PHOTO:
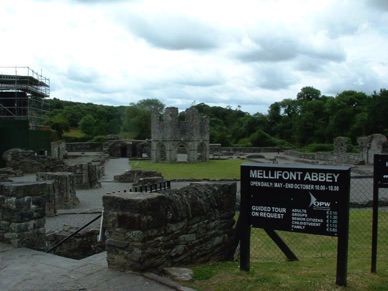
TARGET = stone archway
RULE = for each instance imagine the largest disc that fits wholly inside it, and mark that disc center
(123, 150)
(182, 153)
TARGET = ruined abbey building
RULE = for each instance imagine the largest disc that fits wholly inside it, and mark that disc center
(175, 140)
(23, 95)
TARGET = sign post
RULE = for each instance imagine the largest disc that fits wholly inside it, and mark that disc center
(306, 199)
(380, 180)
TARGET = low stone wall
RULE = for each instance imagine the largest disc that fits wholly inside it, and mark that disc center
(150, 231)
(346, 158)
(138, 176)
(87, 175)
(84, 147)
(28, 162)
(247, 150)
(22, 214)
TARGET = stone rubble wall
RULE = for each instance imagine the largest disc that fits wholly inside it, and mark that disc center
(346, 158)
(22, 214)
(137, 176)
(84, 147)
(150, 231)
(63, 194)
(87, 174)
(28, 162)
(369, 146)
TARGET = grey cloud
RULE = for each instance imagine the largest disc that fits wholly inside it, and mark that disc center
(200, 82)
(173, 32)
(81, 75)
(330, 52)
(199, 79)
(359, 79)
(307, 64)
(274, 78)
(269, 49)
(280, 48)
(266, 55)
(89, 80)
(379, 4)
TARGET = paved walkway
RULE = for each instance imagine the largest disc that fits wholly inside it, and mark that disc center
(26, 269)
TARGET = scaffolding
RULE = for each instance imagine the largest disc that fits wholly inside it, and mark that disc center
(23, 95)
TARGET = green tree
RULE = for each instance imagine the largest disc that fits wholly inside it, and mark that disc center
(137, 120)
(59, 124)
(346, 111)
(378, 113)
(88, 125)
(308, 93)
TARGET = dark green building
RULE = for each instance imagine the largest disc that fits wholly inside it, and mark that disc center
(23, 103)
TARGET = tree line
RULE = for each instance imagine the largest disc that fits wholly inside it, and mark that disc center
(309, 118)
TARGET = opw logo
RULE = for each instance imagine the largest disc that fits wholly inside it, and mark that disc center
(318, 205)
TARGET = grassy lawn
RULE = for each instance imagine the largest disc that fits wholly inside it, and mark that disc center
(316, 268)
(214, 169)
(74, 132)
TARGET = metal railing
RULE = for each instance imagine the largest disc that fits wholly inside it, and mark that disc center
(148, 189)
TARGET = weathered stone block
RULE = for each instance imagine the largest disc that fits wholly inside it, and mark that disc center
(21, 189)
(22, 208)
(117, 243)
(63, 185)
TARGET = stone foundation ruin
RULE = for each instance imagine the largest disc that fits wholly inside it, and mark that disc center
(369, 146)
(87, 173)
(22, 214)
(174, 140)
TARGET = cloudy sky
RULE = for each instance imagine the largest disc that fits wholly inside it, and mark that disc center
(246, 53)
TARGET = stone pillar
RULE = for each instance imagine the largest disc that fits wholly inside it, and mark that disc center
(22, 214)
(64, 188)
(371, 145)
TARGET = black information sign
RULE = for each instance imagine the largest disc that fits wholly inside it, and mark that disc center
(380, 180)
(299, 199)
(381, 170)
(307, 199)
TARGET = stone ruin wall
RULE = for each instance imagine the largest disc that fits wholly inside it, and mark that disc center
(83, 147)
(150, 231)
(87, 174)
(28, 162)
(63, 194)
(24, 207)
(58, 149)
(169, 134)
(369, 146)
(22, 214)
